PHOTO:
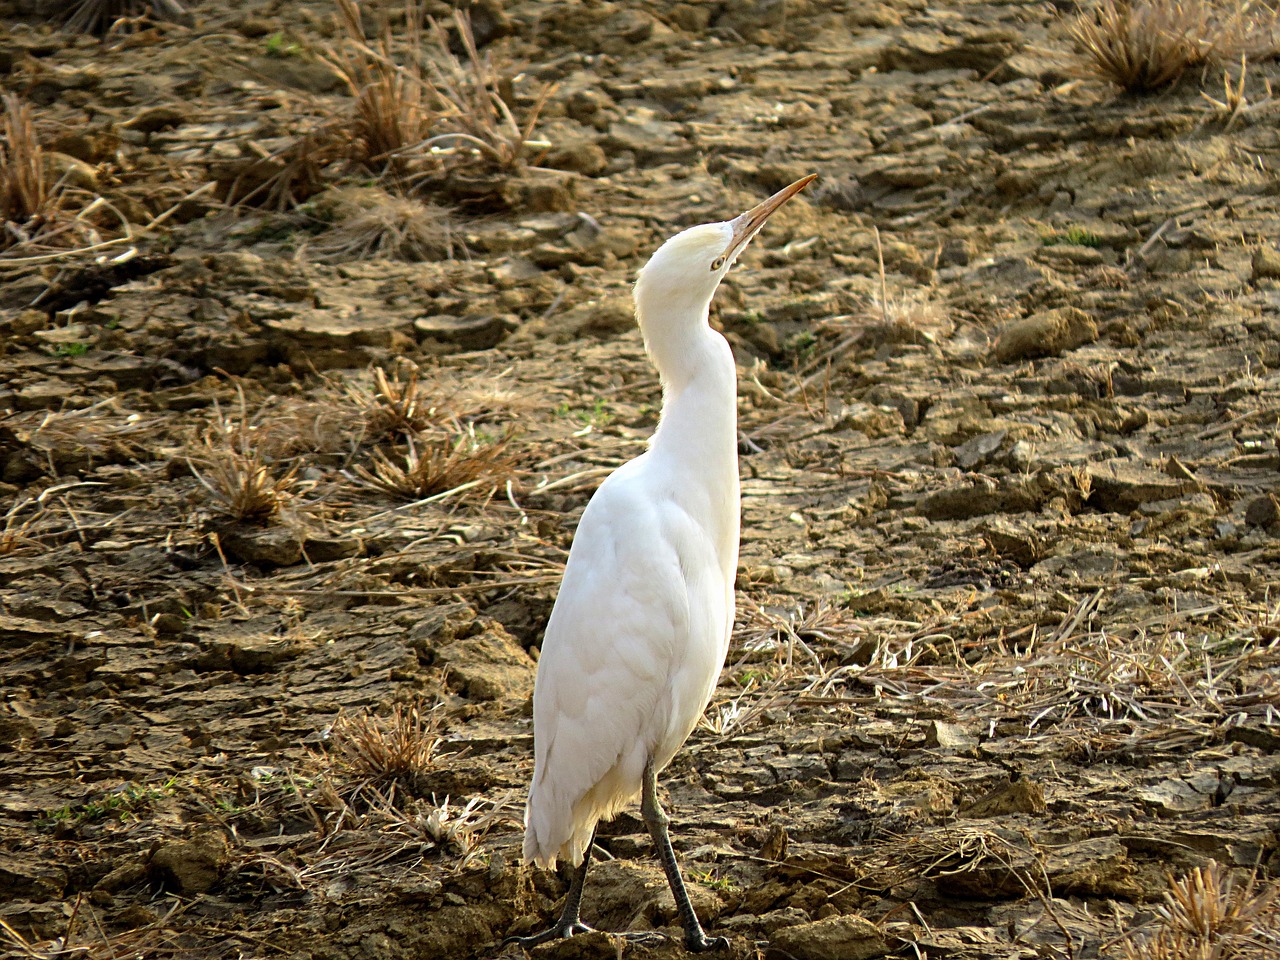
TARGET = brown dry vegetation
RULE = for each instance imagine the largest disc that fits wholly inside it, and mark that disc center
(316, 338)
(1149, 44)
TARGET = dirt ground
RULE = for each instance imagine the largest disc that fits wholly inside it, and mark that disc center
(1005, 658)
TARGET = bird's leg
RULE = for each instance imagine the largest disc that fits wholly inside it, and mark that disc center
(695, 938)
(569, 923)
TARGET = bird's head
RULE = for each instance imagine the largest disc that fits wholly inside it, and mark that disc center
(690, 265)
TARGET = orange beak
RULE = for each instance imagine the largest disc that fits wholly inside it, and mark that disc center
(748, 225)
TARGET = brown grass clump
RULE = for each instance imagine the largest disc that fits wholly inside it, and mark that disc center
(287, 177)
(1209, 915)
(15, 527)
(441, 465)
(367, 222)
(103, 16)
(38, 213)
(394, 103)
(472, 94)
(245, 484)
(907, 317)
(86, 938)
(370, 828)
(418, 112)
(399, 747)
(30, 205)
(396, 405)
(25, 194)
(1145, 45)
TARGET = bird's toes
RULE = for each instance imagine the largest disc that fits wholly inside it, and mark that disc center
(560, 931)
(702, 943)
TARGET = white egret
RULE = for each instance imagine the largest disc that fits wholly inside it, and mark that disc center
(640, 628)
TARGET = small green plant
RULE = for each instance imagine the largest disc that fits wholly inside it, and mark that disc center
(1072, 236)
(123, 804)
(76, 349)
(803, 343)
(279, 46)
(712, 878)
(597, 416)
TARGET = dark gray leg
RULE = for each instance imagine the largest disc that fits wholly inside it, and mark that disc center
(568, 924)
(695, 938)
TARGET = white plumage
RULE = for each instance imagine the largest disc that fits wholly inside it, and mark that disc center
(640, 628)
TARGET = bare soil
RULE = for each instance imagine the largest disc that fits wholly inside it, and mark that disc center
(1006, 650)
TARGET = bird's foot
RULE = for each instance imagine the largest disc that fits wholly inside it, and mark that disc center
(699, 942)
(558, 931)
(695, 942)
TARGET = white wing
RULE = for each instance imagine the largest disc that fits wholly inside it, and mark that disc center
(631, 655)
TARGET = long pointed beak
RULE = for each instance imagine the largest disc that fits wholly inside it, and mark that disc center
(748, 225)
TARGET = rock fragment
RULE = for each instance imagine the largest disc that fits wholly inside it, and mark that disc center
(1045, 334)
(471, 332)
(1266, 263)
(1017, 796)
(835, 938)
(1120, 487)
(190, 866)
(1262, 511)
(272, 547)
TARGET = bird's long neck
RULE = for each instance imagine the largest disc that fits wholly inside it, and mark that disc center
(697, 436)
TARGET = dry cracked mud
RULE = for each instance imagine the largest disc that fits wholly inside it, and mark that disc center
(1006, 651)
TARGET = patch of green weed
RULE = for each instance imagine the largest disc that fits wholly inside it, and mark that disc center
(280, 46)
(1072, 236)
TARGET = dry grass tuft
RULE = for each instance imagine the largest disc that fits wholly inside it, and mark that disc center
(16, 527)
(400, 747)
(779, 664)
(474, 95)
(415, 114)
(245, 483)
(387, 826)
(442, 465)
(32, 208)
(289, 176)
(418, 112)
(39, 215)
(106, 16)
(1006, 860)
(87, 938)
(458, 830)
(397, 405)
(908, 317)
(1209, 915)
(367, 222)
(1235, 105)
(25, 194)
(244, 486)
(1145, 45)
(395, 105)
(61, 442)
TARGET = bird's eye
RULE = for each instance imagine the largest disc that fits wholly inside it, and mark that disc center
(716, 264)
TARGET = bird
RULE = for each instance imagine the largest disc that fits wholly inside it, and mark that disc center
(639, 631)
